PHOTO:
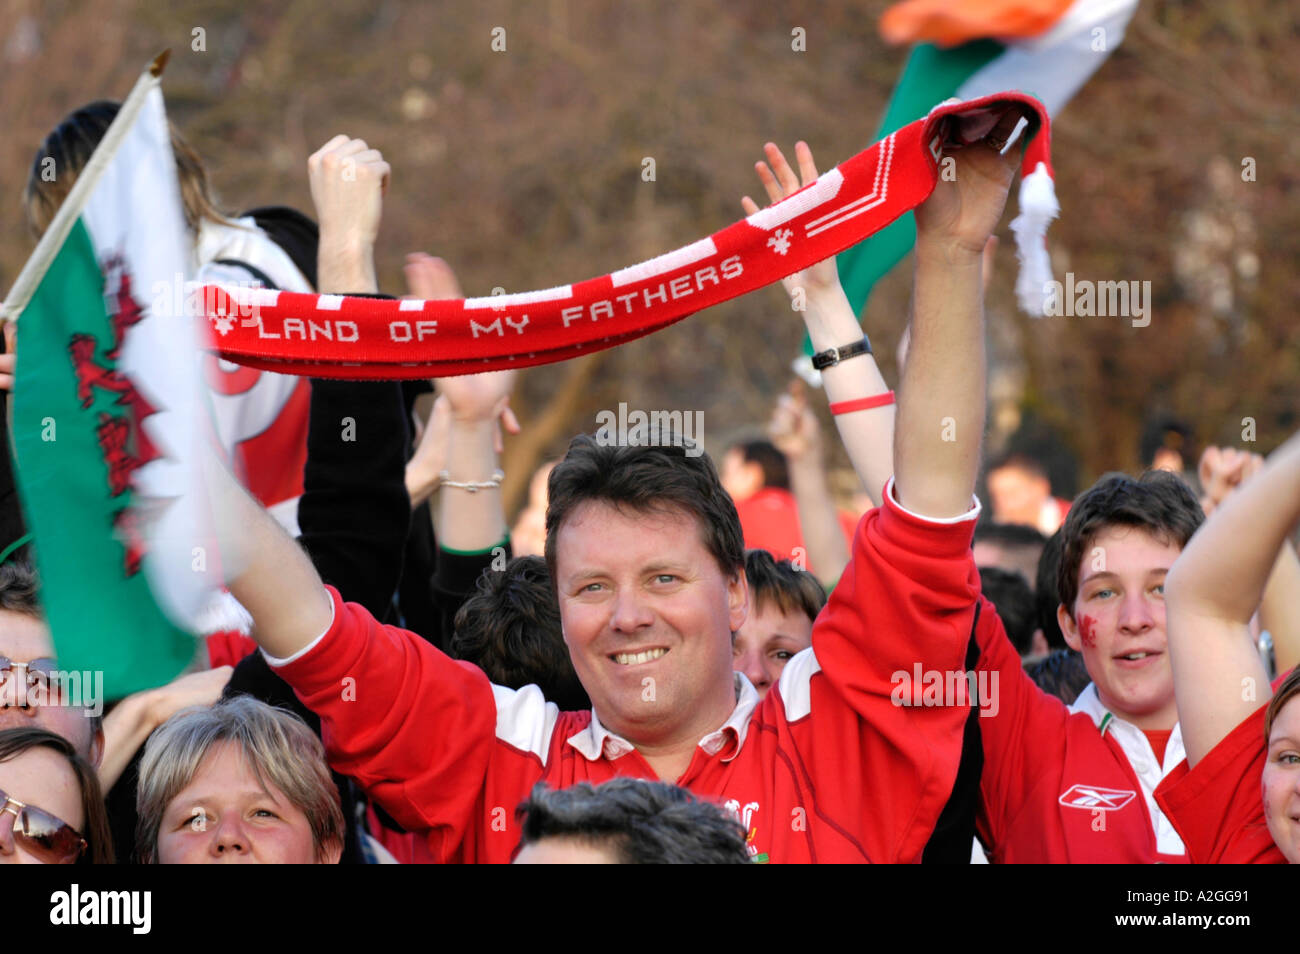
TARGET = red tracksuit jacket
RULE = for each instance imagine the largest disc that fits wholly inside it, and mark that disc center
(826, 768)
(1058, 784)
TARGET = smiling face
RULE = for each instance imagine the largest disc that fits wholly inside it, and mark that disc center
(226, 816)
(648, 615)
(41, 778)
(768, 640)
(1280, 783)
(1118, 624)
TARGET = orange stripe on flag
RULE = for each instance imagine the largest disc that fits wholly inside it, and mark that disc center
(953, 22)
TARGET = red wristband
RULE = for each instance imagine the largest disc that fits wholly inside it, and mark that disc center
(863, 404)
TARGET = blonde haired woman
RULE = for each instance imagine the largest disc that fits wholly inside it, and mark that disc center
(239, 783)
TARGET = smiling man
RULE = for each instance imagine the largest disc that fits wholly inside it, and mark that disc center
(646, 553)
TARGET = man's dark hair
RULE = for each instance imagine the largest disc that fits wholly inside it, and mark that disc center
(776, 469)
(510, 628)
(639, 821)
(1047, 594)
(1157, 502)
(1010, 594)
(660, 479)
(19, 587)
(779, 582)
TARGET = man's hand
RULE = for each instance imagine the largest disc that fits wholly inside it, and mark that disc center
(134, 718)
(964, 209)
(348, 180)
(1222, 470)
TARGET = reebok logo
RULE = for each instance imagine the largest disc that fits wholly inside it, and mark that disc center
(1095, 798)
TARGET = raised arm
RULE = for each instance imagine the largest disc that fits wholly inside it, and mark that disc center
(278, 585)
(1222, 470)
(1211, 593)
(868, 435)
(795, 431)
(941, 404)
(471, 513)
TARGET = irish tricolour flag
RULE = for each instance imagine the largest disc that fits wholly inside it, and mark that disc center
(968, 49)
(106, 401)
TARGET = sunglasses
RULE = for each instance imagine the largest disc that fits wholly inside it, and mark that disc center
(43, 835)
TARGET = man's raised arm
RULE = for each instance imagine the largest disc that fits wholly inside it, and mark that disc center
(941, 398)
(279, 586)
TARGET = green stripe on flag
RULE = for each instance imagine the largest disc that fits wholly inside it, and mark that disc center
(930, 76)
(102, 618)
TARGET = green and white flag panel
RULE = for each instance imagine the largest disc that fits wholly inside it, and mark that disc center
(108, 414)
(1051, 66)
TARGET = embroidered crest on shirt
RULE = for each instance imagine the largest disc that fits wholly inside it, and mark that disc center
(745, 815)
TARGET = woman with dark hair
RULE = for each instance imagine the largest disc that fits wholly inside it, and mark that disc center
(51, 808)
(261, 417)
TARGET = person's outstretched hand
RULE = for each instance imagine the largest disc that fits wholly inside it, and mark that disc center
(780, 181)
(964, 208)
(1221, 471)
(794, 429)
(470, 397)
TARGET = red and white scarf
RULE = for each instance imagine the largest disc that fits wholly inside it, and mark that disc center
(337, 336)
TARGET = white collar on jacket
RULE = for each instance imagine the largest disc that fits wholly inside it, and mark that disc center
(596, 741)
(1142, 758)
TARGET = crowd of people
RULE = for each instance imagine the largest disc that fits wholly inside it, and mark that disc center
(664, 660)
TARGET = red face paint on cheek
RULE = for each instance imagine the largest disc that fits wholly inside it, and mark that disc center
(1088, 631)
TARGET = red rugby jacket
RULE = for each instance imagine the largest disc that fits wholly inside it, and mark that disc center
(828, 767)
(1064, 785)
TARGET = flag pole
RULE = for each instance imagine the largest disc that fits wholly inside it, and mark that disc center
(38, 263)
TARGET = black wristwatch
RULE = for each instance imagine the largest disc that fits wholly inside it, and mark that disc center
(833, 356)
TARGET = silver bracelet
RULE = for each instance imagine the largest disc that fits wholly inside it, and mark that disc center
(473, 486)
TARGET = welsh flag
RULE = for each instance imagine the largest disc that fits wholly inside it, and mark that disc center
(968, 49)
(106, 401)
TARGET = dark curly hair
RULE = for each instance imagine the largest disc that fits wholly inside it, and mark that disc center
(510, 628)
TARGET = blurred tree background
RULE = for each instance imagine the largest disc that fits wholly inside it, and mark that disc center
(523, 168)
